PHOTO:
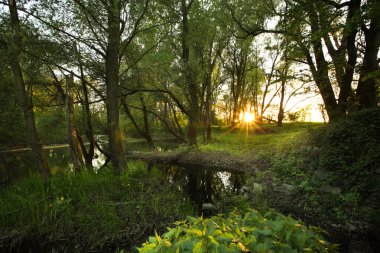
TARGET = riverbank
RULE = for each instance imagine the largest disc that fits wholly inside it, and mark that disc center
(269, 168)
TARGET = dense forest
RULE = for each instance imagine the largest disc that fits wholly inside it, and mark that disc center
(231, 119)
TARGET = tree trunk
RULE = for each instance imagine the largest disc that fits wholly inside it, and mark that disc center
(193, 114)
(280, 115)
(208, 106)
(74, 145)
(147, 135)
(350, 43)
(25, 100)
(320, 71)
(192, 131)
(366, 90)
(112, 85)
(284, 77)
(88, 155)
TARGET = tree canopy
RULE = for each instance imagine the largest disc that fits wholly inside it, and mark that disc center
(183, 66)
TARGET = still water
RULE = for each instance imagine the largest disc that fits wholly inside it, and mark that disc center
(202, 186)
(206, 188)
(19, 163)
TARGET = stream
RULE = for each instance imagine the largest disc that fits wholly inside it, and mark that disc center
(202, 186)
(205, 187)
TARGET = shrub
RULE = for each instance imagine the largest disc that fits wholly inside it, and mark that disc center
(344, 156)
(249, 232)
(351, 149)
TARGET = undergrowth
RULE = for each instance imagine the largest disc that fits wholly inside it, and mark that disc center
(335, 169)
(239, 232)
(89, 211)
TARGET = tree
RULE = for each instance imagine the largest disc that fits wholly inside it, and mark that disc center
(75, 148)
(15, 49)
(336, 26)
(313, 26)
(108, 40)
(369, 71)
(237, 63)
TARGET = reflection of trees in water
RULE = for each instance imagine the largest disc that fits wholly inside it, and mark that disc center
(201, 185)
(237, 181)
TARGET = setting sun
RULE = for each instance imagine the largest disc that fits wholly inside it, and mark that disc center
(246, 117)
(249, 117)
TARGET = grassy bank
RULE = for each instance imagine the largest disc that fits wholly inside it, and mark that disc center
(333, 164)
(258, 140)
(88, 211)
(326, 175)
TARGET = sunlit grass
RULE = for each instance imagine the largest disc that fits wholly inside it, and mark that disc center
(251, 139)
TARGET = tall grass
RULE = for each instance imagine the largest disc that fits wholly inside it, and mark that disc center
(90, 211)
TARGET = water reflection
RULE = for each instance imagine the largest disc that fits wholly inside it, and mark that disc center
(202, 185)
(18, 164)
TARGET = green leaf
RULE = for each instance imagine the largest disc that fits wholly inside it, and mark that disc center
(158, 238)
(170, 233)
(263, 232)
(152, 239)
(198, 247)
(213, 241)
(197, 232)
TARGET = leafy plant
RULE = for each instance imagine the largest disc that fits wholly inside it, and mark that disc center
(248, 232)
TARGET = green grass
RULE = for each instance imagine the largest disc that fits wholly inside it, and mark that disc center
(90, 211)
(293, 153)
(268, 139)
(95, 211)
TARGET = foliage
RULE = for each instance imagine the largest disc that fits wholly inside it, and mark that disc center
(351, 149)
(11, 118)
(334, 169)
(295, 153)
(89, 210)
(248, 232)
(52, 118)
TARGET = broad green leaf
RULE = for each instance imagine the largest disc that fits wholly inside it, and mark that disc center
(197, 232)
(198, 247)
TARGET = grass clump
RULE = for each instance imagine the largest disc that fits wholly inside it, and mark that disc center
(89, 211)
(240, 232)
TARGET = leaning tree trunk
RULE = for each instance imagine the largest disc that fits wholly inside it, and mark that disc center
(25, 100)
(145, 132)
(320, 70)
(74, 145)
(112, 85)
(88, 155)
